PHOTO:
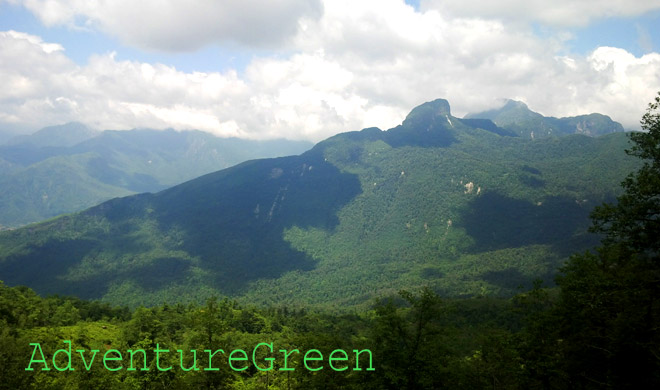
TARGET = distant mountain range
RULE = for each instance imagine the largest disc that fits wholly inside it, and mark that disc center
(518, 118)
(56, 136)
(467, 206)
(61, 169)
(6, 135)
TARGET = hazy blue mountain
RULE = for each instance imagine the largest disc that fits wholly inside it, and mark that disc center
(516, 117)
(6, 135)
(56, 136)
(438, 201)
(39, 182)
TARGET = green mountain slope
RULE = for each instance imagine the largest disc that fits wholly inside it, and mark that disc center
(434, 201)
(517, 118)
(41, 179)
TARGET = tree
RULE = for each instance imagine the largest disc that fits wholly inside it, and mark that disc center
(66, 314)
(610, 302)
(634, 222)
(406, 342)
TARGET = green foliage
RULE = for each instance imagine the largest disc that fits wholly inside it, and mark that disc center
(634, 222)
(609, 301)
(417, 339)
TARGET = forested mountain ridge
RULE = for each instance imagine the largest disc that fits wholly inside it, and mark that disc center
(458, 205)
(516, 117)
(68, 168)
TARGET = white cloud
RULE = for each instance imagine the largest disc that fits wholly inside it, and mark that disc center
(177, 25)
(626, 83)
(46, 47)
(556, 12)
(362, 64)
(301, 97)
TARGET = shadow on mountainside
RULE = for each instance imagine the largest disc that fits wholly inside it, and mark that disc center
(229, 223)
(497, 222)
(234, 220)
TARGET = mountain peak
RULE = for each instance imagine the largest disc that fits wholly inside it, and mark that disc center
(428, 112)
(515, 104)
(511, 111)
(426, 125)
(518, 118)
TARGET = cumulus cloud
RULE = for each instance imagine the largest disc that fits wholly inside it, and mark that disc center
(176, 25)
(402, 57)
(301, 97)
(362, 64)
(557, 12)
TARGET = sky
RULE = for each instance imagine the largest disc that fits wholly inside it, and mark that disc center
(308, 69)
